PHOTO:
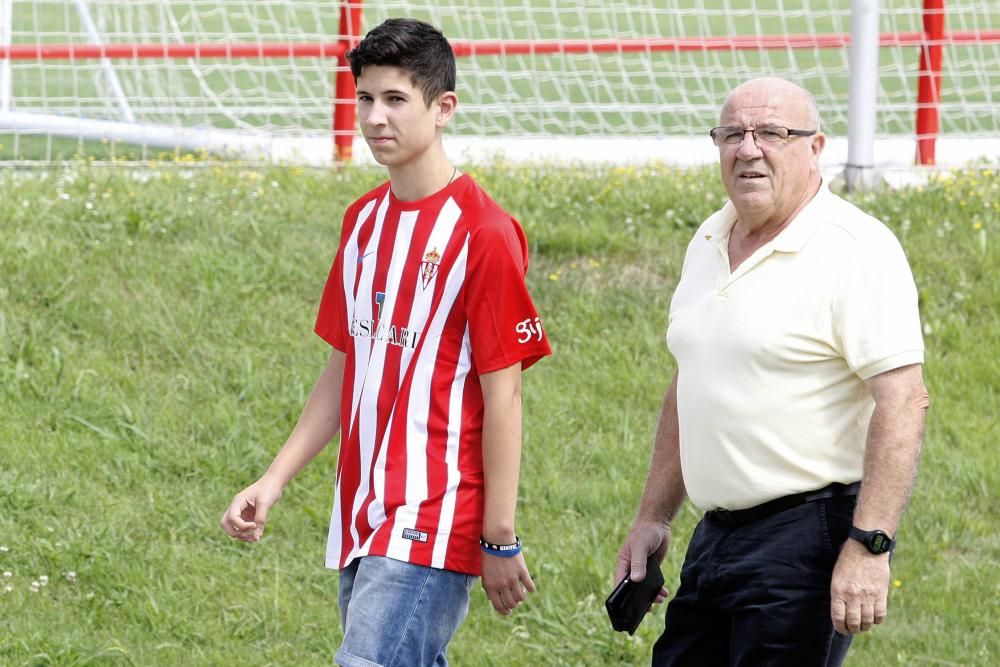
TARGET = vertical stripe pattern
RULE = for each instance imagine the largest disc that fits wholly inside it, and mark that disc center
(385, 286)
(409, 473)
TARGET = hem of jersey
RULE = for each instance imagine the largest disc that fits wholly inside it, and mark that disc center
(346, 659)
(890, 363)
(334, 564)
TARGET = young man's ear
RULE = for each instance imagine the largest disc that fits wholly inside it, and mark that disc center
(446, 104)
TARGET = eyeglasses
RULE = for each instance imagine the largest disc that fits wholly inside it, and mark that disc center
(765, 134)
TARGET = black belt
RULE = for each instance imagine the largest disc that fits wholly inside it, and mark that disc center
(734, 518)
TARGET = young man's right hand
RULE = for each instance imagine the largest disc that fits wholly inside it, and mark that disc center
(245, 517)
(320, 420)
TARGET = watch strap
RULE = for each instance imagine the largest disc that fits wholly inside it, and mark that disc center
(876, 541)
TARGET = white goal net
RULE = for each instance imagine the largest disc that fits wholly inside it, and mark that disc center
(615, 90)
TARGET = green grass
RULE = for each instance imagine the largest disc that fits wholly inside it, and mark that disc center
(156, 348)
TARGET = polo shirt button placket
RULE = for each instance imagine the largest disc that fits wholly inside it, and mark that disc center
(720, 291)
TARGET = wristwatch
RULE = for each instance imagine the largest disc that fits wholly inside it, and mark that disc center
(876, 541)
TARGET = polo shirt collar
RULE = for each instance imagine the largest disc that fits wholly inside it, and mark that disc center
(791, 239)
(719, 226)
(795, 236)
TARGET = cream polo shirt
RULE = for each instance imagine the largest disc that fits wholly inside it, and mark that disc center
(772, 358)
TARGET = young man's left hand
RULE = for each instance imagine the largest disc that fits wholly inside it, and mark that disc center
(506, 582)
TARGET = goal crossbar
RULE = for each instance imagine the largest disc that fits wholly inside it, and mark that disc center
(473, 48)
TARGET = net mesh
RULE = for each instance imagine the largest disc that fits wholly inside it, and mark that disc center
(618, 94)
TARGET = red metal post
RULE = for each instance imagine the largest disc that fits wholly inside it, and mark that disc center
(929, 82)
(345, 107)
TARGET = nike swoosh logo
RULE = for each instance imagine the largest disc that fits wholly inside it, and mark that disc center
(361, 259)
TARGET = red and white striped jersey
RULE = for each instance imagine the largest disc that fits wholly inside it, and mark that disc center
(423, 298)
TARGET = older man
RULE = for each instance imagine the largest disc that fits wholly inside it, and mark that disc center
(796, 415)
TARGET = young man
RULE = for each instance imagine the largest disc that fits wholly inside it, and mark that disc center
(431, 324)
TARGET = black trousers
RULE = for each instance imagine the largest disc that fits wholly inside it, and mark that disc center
(759, 594)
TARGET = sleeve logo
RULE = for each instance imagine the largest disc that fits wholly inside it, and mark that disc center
(528, 329)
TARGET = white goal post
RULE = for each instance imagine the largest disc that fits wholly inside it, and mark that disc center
(620, 80)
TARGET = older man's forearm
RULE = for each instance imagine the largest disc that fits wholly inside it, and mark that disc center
(664, 491)
(892, 453)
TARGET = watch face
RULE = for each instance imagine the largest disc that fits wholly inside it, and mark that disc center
(879, 542)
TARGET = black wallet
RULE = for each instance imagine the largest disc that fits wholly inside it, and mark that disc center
(629, 602)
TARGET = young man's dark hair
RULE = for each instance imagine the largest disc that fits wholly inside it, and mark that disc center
(411, 45)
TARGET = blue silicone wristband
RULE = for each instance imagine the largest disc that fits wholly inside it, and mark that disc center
(501, 550)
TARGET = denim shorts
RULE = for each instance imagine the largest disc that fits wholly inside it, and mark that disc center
(397, 614)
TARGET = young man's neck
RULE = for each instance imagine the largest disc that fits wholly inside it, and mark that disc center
(421, 178)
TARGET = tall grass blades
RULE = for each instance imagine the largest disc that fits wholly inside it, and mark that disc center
(156, 348)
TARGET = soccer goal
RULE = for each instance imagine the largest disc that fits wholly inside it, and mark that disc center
(619, 80)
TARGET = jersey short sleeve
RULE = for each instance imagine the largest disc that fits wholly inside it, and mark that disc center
(332, 319)
(876, 319)
(504, 326)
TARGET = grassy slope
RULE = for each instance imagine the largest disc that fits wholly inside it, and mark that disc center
(155, 350)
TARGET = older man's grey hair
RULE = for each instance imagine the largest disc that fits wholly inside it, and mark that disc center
(777, 83)
(813, 109)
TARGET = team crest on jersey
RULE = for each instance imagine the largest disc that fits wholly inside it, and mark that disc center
(429, 267)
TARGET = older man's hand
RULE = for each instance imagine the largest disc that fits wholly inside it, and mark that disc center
(646, 537)
(859, 590)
